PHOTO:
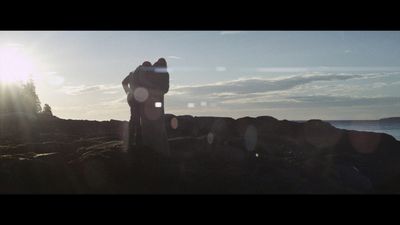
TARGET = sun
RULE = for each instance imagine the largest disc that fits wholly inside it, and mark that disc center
(15, 65)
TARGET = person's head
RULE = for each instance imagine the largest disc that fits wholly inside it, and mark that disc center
(146, 66)
(146, 63)
(161, 62)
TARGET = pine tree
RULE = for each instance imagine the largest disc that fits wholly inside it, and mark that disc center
(31, 99)
(19, 98)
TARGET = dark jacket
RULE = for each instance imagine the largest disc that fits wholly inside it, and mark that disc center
(142, 77)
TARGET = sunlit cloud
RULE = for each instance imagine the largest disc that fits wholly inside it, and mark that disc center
(379, 85)
(230, 32)
(174, 57)
(120, 101)
(262, 96)
(188, 69)
(220, 68)
(311, 101)
(254, 85)
(347, 101)
(281, 69)
(14, 45)
(318, 69)
(50, 78)
(86, 89)
(258, 95)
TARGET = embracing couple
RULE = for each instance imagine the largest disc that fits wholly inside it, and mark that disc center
(145, 89)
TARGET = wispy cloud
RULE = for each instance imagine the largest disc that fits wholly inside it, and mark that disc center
(230, 32)
(52, 78)
(14, 45)
(259, 85)
(319, 69)
(324, 100)
(250, 93)
(220, 68)
(174, 57)
(310, 101)
(257, 96)
(282, 69)
(86, 89)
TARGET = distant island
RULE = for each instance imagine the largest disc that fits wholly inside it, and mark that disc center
(391, 119)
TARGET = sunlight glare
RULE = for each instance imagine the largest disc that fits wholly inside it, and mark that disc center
(15, 65)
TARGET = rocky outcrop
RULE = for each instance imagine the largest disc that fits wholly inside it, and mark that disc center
(208, 155)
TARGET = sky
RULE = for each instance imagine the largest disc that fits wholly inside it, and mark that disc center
(294, 75)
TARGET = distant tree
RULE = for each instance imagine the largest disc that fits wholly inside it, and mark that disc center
(47, 110)
(19, 98)
(31, 99)
(5, 100)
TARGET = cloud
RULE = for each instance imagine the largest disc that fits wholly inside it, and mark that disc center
(14, 45)
(174, 57)
(86, 89)
(259, 85)
(283, 69)
(301, 96)
(379, 84)
(251, 93)
(321, 100)
(312, 101)
(220, 68)
(230, 32)
(318, 69)
(114, 102)
(51, 78)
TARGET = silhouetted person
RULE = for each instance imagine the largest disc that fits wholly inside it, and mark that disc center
(132, 86)
(156, 83)
(162, 77)
(146, 88)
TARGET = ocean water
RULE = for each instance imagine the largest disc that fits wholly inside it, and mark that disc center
(391, 128)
